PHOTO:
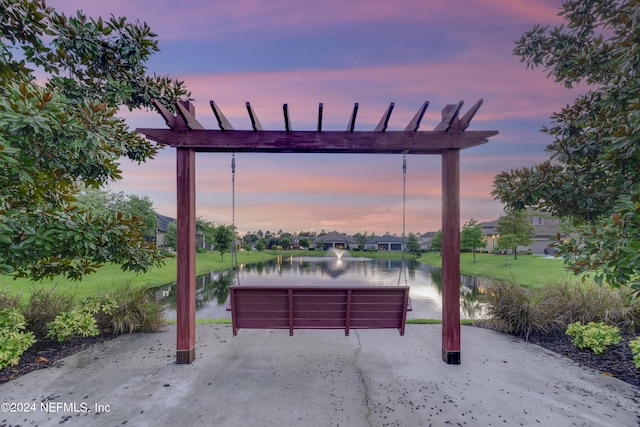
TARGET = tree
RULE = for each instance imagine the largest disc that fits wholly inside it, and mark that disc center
(506, 242)
(142, 207)
(104, 202)
(412, 243)
(305, 242)
(592, 172)
(361, 239)
(250, 239)
(471, 236)
(436, 242)
(61, 131)
(285, 242)
(171, 236)
(222, 239)
(207, 229)
(516, 224)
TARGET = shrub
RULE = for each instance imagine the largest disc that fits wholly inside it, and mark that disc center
(13, 341)
(520, 311)
(9, 301)
(43, 307)
(594, 336)
(569, 302)
(635, 350)
(101, 308)
(73, 323)
(134, 311)
(513, 309)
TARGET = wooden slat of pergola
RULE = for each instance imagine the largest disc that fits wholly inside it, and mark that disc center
(188, 136)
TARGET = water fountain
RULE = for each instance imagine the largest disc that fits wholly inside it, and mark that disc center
(337, 253)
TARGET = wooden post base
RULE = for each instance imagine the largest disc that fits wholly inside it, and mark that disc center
(185, 357)
(451, 357)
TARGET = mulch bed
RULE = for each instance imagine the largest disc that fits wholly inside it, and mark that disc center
(616, 361)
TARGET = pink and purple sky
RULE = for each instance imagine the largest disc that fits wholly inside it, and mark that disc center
(337, 52)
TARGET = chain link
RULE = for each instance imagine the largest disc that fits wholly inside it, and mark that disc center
(403, 269)
(234, 255)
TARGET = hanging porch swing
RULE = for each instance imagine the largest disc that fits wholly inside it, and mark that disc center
(343, 307)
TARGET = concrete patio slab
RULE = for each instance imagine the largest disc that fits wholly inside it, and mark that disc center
(318, 378)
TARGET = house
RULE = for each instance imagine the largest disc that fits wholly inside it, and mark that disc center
(334, 240)
(545, 230)
(161, 231)
(385, 243)
(489, 235)
(424, 240)
(545, 234)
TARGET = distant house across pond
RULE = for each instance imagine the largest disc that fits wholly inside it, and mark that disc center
(544, 235)
(334, 240)
(384, 243)
(425, 239)
(161, 232)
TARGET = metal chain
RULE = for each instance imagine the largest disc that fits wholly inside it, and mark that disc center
(234, 255)
(403, 269)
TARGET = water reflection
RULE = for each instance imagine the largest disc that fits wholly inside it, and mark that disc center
(425, 281)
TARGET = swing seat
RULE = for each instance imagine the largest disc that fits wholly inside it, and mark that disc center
(318, 307)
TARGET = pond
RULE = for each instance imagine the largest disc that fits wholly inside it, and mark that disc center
(424, 280)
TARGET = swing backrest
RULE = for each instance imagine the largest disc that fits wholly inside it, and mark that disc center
(318, 307)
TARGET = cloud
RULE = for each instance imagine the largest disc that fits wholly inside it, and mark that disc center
(508, 91)
(374, 52)
(191, 19)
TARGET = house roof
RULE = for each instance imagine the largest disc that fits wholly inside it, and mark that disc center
(428, 234)
(164, 221)
(387, 238)
(334, 236)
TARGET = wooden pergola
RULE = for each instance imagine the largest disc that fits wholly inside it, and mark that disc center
(188, 136)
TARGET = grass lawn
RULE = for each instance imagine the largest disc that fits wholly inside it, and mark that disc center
(111, 275)
(528, 270)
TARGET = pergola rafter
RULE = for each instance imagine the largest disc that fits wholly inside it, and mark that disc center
(188, 136)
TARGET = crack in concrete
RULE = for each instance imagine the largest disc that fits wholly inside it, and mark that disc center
(366, 400)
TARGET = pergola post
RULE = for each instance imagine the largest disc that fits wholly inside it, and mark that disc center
(186, 263)
(451, 256)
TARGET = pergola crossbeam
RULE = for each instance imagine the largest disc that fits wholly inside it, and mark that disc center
(188, 116)
(352, 121)
(287, 120)
(168, 116)
(384, 121)
(320, 108)
(414, 124)
(466, 119)
(223, 123)
(363, 142)
(255, 123)
(449, 115)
